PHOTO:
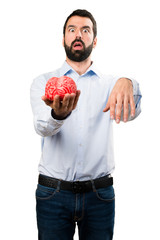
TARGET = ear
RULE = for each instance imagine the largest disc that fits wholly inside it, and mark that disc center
(63, 41)
(94, 42)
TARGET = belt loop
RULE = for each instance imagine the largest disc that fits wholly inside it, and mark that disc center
(93, 186)
(58, 186)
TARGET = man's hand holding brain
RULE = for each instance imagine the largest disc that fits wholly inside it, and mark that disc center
(61, 95)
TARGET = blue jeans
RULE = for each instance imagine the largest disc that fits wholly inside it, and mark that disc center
(59, 210)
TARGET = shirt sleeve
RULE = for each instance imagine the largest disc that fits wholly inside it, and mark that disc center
(137, 100)
(44, 123)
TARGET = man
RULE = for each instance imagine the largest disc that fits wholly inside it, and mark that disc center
(75, 183)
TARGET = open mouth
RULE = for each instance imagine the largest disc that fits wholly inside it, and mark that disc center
(77, 45)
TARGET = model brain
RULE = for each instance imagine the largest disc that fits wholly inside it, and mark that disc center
(59, 86)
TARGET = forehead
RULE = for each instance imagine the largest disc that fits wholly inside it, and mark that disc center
(80, 22)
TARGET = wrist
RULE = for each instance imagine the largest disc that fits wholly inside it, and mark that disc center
(53, 114)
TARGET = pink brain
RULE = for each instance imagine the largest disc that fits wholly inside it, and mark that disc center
(59, 86)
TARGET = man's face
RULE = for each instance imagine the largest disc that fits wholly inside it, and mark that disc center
(78, 40)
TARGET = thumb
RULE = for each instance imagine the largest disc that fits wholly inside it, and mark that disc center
(44, 98)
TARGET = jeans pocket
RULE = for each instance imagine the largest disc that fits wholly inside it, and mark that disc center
(106, 194)
(45, 193)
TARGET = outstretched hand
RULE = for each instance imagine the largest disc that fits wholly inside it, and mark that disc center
(64, 107)
(121, 95)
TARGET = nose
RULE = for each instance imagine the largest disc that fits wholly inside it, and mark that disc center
(78, 34)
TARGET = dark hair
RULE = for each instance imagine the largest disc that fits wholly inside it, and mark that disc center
(82, 13)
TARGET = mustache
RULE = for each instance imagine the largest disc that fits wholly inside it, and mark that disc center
(77, 40)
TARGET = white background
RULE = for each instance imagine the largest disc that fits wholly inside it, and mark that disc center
(128, 44)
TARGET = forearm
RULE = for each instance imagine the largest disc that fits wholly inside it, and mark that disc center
(46, 125)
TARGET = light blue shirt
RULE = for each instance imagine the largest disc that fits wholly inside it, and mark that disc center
(81, 146)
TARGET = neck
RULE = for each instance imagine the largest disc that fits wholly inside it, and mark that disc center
(80, 67)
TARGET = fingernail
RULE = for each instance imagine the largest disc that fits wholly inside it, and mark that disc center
(117, 120)
(112, 117)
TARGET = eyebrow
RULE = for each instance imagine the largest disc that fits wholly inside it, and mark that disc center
(71, 26)
(82, 27)
(86, 27)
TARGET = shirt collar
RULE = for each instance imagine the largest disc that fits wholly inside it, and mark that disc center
(67, 68)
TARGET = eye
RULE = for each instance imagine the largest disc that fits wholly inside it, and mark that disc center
(85, 30)
(71, 30)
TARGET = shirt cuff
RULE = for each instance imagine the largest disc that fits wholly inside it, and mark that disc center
(57, 117)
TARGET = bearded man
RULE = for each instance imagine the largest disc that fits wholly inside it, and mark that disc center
(75, 183)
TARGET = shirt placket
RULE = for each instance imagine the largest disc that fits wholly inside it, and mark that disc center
(80, 130)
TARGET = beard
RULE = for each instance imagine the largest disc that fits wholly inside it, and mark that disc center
(78, 55)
